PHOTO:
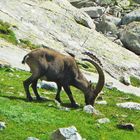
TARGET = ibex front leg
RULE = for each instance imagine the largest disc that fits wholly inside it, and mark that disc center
(69, 93)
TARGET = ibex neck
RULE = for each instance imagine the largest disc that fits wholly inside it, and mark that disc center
(82, 84)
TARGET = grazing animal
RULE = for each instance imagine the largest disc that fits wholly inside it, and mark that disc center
(47, 64)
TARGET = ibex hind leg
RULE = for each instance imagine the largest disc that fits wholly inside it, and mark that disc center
(26, 85)
(59, 87)
(34, 87)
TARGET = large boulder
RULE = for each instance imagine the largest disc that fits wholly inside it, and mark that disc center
(61, 26)
(130, 37)
(130, 17)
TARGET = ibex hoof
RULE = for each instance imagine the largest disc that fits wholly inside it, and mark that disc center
(75, 105)
(58, 100)
(29, 99)
(39, 99)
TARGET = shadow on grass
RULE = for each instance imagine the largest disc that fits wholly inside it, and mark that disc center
(25, 100)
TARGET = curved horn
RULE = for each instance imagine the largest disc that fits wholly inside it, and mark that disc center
(101, 79)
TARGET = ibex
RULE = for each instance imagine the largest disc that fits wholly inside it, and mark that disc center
(47, 64)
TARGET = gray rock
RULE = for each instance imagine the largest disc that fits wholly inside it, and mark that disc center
(112, 19)
(130, 37)
(84, 20)
(118, 41)
(106, 28)
(69, 133)
(109, 85)
(2, 125)
(129, 105)
(91, 110)
(130, 17)
(137, 1)
(103, 120)
(125, 79)
(103, 2)
(101, 102)
(94, 12)
(32, 138)
(123, 3)
(116, 11)
(126, 126)
(47, 85)
(82, 3)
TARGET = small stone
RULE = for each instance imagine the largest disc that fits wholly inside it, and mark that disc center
(91, 110)
(20, 94)
(10, 74)
(129, 105)
(17, 76)
(32, 138)
(47, 85)
(127, 126)
(65, 108)
(125, 79)
(101, 102)
(69, 133)
(109, 85)
(103, 120)
(2, 125)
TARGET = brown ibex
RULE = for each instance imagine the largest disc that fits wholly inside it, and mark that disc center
(47, 64)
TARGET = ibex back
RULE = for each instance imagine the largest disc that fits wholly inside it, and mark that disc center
(50, 65)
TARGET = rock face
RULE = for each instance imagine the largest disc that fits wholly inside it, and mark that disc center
(69, 133)
(61, 26)
(130, 37)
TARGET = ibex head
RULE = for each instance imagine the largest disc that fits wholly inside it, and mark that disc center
(91, 93)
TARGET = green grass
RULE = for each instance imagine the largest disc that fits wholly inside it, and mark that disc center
(135, 81)
(40, 119)
(86, 66)
(27, 44)
(7, 33)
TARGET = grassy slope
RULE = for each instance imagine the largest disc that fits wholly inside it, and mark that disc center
(24, 119)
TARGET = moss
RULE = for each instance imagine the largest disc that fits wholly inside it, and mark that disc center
(86, 66)
(135, 81)
(27, 44)
(7, 33)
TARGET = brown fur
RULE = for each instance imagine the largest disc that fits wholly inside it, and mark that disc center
(52, 66)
